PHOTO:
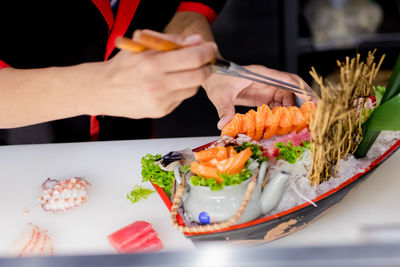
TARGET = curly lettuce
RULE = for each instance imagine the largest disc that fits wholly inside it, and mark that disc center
(138, 193)
(291, 153)
(152, 172)
(229, 179)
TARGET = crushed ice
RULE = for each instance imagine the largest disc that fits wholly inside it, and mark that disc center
(347, 169)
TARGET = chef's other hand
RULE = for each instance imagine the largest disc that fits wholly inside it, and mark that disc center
(153, 83)
(225, 92)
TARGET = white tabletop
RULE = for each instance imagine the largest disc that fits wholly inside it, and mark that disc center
(113, 168)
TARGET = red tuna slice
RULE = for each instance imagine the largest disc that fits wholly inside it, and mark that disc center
(147, 243)
(152, 245)
(133, 238)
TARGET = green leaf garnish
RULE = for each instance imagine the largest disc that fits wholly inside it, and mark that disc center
(138, 193)
(372, 127)
(152, 172)
(229, 179)
(255, 149)
(291, 153)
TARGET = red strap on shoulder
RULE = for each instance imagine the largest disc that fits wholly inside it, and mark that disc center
(117, 27)
(3, 64)
(203, 9)
(104, 7)
(126, 10)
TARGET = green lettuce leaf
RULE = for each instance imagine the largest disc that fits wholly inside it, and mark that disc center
(138, 193)
(152, 172)
(291, 153)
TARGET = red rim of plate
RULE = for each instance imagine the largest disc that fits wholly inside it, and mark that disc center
(168, 202)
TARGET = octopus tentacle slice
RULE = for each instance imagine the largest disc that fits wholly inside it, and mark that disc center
(62, 195)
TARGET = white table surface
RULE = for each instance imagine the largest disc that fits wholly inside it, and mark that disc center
(114, 168)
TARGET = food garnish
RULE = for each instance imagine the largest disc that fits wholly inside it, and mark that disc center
(152, 172)
(289, 152)
(136, 237)
(138, 193)
(386, 116)
(336, 128)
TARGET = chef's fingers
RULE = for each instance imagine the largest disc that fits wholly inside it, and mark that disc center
(285, 98)
(255, 96)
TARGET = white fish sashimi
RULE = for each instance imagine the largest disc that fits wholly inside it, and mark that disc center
(31, 242)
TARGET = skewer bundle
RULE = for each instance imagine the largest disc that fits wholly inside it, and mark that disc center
(336, 126)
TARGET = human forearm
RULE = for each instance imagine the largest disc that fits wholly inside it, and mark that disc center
(133, 85)
(39, 95)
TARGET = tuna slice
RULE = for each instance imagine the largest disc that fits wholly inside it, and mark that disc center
(136, 237)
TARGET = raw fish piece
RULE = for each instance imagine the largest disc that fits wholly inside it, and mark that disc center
(31, 242)
(136, 237)
(137, 244)
(62, 195)
(266, 123)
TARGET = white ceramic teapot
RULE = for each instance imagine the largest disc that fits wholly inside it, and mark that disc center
(203, 205)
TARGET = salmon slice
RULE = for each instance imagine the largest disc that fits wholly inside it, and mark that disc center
(236, 163)
(260, 120)
(234, 127)
(218, 152)
(271, 124)
(298, 120)
(205, 171)
(231, 151)
(308, 109)
(285, 122)
(249, 125)
(266, 123)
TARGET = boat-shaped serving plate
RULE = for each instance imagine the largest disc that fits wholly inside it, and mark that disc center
(284, 223)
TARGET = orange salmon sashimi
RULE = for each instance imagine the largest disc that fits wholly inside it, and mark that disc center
(250, 124)
(298, 120)
(235, 126)
(279, 121)
(308, 109)
(271, 124)
(212, 168)
(285, 121)
(231, 151)
(205, 171)
(260, 120)
(218, 152)
(236, 163)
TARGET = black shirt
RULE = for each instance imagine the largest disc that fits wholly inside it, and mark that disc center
(36, 34)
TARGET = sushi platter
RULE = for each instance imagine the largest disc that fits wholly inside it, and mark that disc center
(274, 171)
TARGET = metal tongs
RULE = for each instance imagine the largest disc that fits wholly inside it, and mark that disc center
(144, 41)
(225, 67)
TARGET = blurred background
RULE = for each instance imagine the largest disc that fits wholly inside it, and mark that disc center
(291, 35)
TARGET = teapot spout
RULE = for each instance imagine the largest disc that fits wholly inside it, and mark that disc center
(273, 191)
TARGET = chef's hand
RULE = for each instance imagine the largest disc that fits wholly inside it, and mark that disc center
(152, 84)
(225, 92)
